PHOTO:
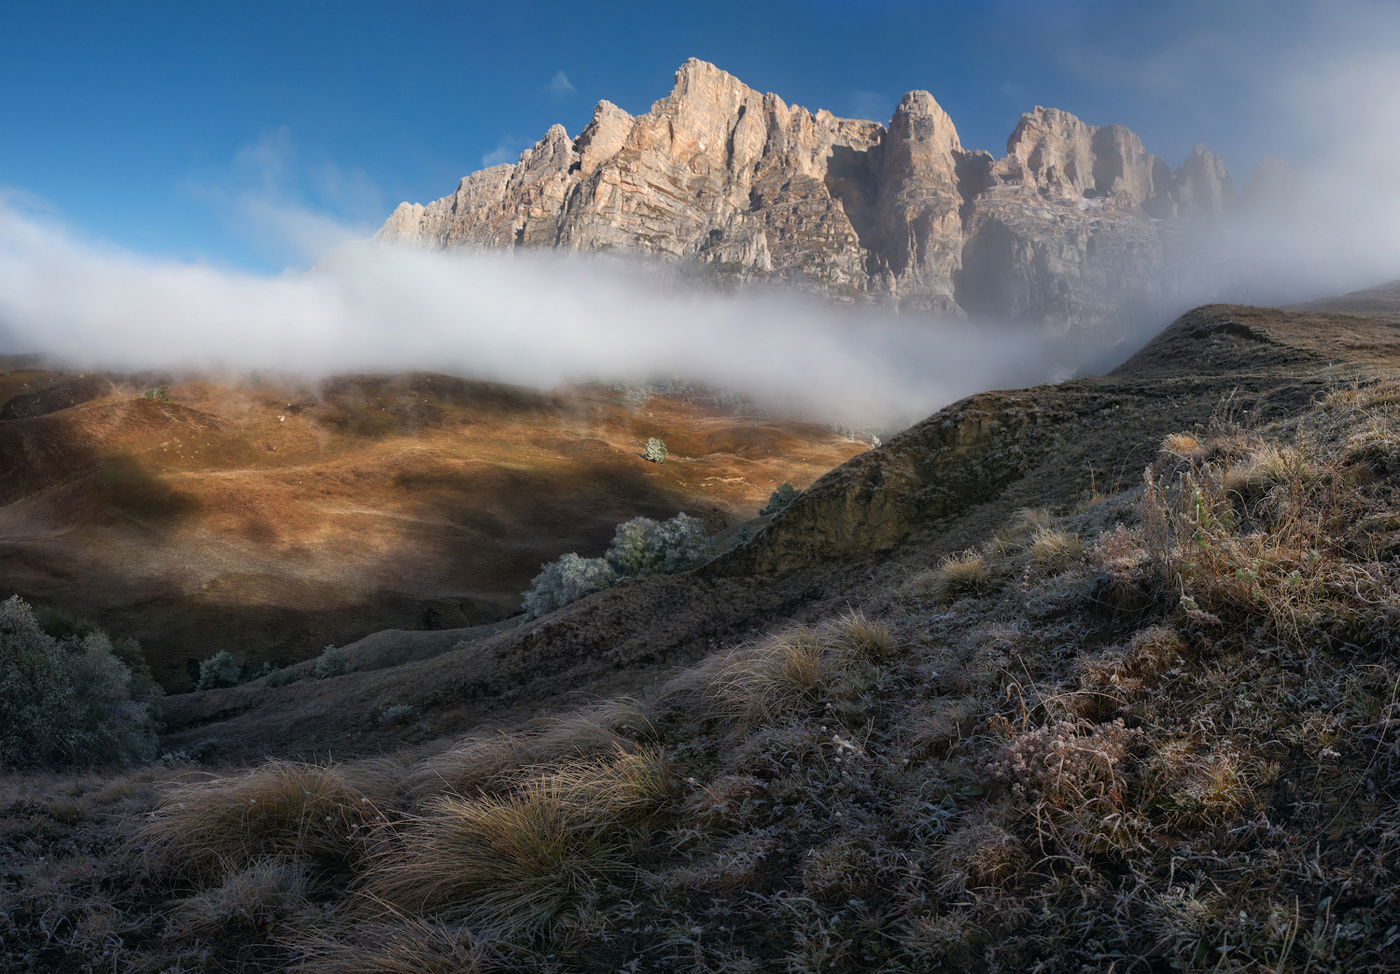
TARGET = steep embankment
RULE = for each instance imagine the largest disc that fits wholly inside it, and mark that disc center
(269, 518)
(858, 532)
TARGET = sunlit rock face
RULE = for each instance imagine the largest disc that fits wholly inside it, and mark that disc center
(1070, 228)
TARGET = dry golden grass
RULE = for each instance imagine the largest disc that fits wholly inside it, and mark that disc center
(513, 862)
(1267, 466)
(303, 811)
(964, 574)
(1054, 550)
(487, 760)
(760, 683)
(403, 945)
(1183, 446)
(855, 633)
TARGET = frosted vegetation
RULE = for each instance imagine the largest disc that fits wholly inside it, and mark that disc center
(640, 547)
(71, 700)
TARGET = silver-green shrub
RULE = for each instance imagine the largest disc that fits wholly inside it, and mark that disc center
(219, 670)
(779, 499)
(279, 677)
(656, 451)
(639, 547)
(68, 702)
(642, 546)
(332, 662)
(565, 580)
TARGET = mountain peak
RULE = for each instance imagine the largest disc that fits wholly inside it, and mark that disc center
(722, 177)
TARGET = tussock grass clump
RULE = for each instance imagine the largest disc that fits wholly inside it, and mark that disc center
(268, 891)
(763, 682)
(1265, 467)
(943, 721)
(487, 761)
(513, 863)
(1183, 446)
(958, 575)
(1125, 580)
(1135, 668)
(314, 812)
(1189, 788)
(408, 945)
(854, 632)
(1054, 550)
(982, 853)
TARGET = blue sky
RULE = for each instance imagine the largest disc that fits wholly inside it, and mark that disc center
(245, 135)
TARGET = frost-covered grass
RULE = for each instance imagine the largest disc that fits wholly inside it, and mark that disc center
(1160, 732)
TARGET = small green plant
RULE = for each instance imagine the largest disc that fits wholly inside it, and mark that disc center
(779, 499)
(219, 670)
(332, 662)
(159, 394)
(279, 677)
(656, 451)
(399, 713)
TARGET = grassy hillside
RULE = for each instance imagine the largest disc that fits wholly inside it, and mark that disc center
(270, 517)
(1090, 677)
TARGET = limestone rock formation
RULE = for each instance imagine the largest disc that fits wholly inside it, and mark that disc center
(1070, 228)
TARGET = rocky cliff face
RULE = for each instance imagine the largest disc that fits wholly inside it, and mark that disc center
(1070, 228)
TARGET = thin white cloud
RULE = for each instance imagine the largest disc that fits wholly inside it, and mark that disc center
(290, 212)
(870, 105)
(560, 86)
(505, 151)
(1014, 91)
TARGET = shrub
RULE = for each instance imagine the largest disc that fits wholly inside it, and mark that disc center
(399, 713)
(779, 499)
(639, 547)
(219, 670)
(332, 662)
(60, 625)
(158, 394)
(656, 451)
(280, 677)
(64, 702)
(566, 580)
(642, 546)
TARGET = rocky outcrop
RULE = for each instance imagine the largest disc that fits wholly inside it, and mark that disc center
(1067, 229)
